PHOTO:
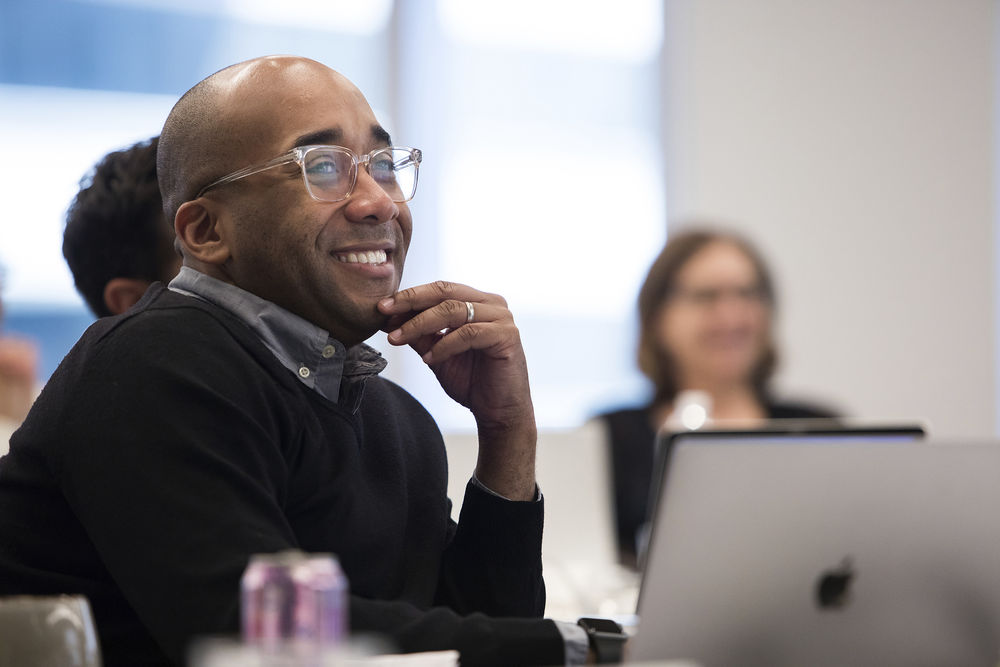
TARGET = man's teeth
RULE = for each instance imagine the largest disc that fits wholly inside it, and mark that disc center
(367, 257)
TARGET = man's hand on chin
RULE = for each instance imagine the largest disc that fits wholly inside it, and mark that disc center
(470, 341)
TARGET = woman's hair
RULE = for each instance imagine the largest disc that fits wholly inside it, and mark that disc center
(660, 284)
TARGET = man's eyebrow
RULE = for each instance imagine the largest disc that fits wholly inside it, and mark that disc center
(380, 135)
(323, 137)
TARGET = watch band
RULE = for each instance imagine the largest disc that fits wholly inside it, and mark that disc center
(606, 639)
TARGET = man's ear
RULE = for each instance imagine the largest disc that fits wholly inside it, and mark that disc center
(197, 227)
(120, 294)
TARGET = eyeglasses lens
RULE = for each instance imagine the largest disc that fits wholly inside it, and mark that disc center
(330, 173)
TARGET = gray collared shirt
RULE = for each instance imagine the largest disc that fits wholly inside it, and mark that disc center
(320, 361)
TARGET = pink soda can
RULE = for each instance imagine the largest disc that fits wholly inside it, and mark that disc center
(294, 597)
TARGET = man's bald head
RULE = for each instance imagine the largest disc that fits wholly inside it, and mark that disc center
(222, 123)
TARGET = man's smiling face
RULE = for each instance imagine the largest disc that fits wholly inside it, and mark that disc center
(329, 263)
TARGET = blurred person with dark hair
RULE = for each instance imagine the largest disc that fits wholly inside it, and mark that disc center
(117, 242)
(706, 320)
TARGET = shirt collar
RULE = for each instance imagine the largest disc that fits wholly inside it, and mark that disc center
(317, 359)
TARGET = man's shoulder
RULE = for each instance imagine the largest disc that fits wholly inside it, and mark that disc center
(167, 349)
(162, 302)
(165, 315)
(167, 330)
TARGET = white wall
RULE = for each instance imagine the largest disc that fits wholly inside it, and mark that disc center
(853, 140)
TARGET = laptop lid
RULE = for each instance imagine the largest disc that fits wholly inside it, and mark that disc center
(814, 430)
(852, 552)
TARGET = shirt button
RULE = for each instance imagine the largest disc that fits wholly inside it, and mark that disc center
(303, 372)
(329, 351)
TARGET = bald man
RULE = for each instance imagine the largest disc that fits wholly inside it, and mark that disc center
(239, 411)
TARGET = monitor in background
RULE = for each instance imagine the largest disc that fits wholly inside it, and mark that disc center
(857, 552)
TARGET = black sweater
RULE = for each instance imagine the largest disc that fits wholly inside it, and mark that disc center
(170, 445)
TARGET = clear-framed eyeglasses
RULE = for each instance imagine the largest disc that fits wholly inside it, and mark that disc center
(331, 172)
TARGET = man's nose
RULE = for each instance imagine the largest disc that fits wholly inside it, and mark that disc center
(369, 203)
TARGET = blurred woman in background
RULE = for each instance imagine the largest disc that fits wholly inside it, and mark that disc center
(706, 319)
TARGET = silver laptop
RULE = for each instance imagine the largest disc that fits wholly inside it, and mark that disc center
(845, 552)
(824, 430)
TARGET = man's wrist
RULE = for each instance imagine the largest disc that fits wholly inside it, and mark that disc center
(506, 464)
(479, 485)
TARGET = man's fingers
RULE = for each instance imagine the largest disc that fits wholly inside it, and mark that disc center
(489, 336)
(424, 344)
(423, 297)
(394, 322)
(451, 315)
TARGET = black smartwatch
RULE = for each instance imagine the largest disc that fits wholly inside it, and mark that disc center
(607, 639)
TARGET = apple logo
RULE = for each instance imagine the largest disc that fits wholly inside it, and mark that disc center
(833, 588)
